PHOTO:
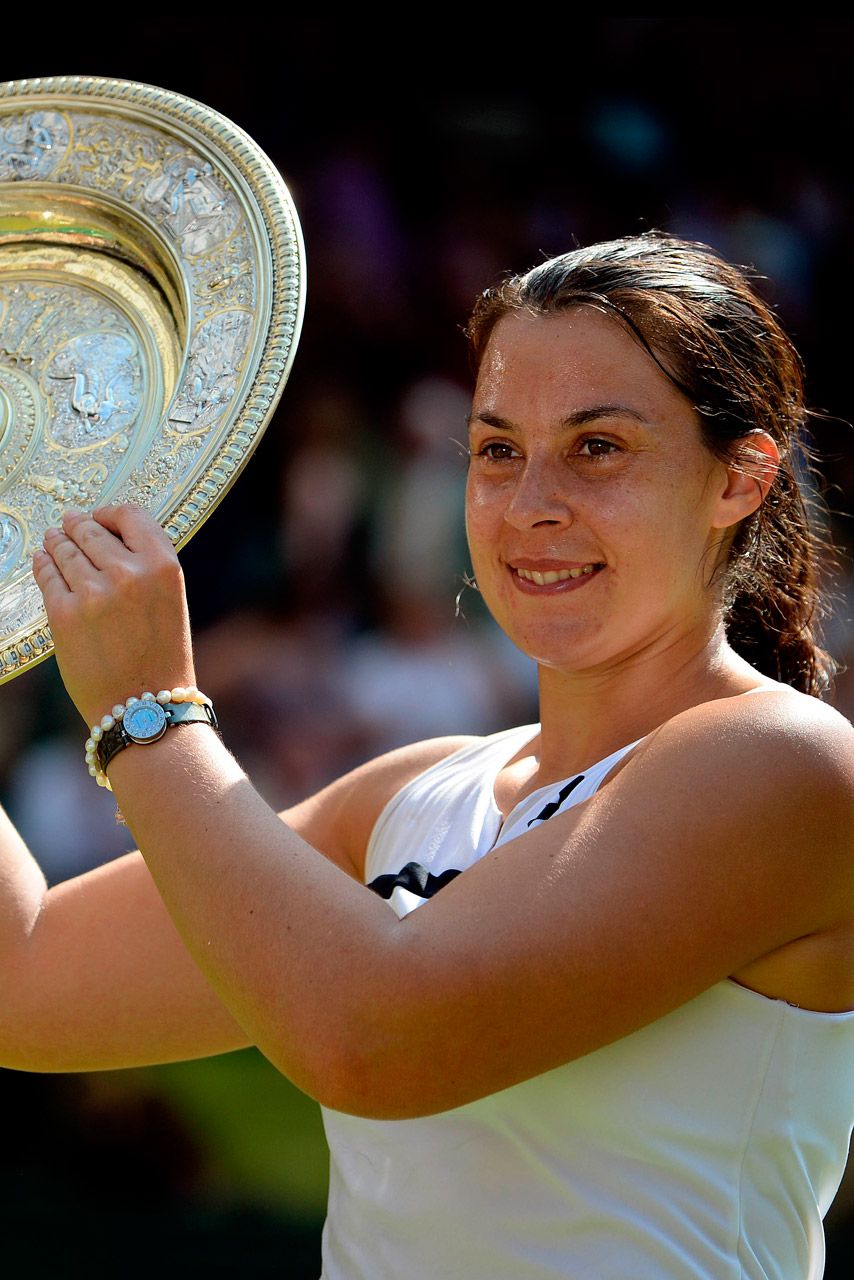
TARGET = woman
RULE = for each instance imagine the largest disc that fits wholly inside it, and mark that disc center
(620, 1043)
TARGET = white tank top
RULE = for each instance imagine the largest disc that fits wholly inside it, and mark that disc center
(705, 1146)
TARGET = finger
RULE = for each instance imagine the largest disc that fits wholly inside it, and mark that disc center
(138, 530)
(49, 580)
(74, 565)
(98, 544)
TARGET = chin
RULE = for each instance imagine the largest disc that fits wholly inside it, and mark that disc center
(556, 636)
(559, 653)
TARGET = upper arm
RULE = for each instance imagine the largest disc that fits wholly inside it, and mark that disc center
(105, 981)
(722, 840)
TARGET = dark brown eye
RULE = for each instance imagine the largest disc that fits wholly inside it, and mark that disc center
(596, 447)
(497, 451)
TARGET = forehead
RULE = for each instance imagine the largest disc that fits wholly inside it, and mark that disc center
(548, 367)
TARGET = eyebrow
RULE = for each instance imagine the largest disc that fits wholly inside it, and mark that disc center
(580, 418)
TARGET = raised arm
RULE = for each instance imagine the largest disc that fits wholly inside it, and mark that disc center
(687, 867)
(93, 973)
(555, 944)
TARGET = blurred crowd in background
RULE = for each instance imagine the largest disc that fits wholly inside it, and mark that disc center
(329, 592)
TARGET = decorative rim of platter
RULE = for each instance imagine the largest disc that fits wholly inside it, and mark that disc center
(152, 288)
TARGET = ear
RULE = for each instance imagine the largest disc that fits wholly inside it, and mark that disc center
(749, 475)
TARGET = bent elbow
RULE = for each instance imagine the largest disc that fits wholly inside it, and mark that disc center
(372, 1076)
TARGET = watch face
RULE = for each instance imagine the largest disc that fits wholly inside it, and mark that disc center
(144, 721)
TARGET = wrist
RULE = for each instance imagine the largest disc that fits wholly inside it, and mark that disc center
(97, 711)
(142, 721)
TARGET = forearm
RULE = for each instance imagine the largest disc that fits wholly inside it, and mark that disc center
(293, 946)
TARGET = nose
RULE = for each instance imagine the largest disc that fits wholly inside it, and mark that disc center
(540, 497)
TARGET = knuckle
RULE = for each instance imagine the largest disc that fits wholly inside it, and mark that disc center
(167, 566)
(123, 577)
(92, 597)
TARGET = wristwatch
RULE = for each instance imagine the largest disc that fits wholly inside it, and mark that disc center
(146, 721)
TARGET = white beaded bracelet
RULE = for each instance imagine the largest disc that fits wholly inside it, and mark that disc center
(118, 714)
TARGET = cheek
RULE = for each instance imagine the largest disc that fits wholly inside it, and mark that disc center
(654, 533)
(668, 504)
(483, 516)
(470, 514)
(623, 517)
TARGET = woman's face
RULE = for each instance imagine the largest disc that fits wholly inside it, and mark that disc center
(595, 512)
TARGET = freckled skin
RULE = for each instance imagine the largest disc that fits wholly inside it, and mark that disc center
(687, 866)
(634, 489)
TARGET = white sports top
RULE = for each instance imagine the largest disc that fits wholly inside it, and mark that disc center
(705, 1146)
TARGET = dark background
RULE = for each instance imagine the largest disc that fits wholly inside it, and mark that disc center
(425, 163)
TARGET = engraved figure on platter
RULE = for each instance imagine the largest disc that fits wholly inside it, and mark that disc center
(95, 392)
(196, 210)
(11, 543)
(31, 145)
(213, 368)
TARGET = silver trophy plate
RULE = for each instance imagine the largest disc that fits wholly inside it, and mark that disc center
(152, 279)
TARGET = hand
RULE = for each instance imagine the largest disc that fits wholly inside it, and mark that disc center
(114, 594)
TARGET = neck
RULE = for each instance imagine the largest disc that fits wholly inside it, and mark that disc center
(587, 715)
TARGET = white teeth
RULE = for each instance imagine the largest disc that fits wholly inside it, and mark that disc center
(554, 575)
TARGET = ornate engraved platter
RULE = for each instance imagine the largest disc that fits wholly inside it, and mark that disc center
(151, 294)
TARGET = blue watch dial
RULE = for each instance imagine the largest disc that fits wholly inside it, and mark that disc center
(144, 721)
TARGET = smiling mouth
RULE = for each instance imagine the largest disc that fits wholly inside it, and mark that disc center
(549, 577)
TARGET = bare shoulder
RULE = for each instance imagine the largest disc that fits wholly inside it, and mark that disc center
(785, 737)
(720, 850)
(339, 819)
(771, 773)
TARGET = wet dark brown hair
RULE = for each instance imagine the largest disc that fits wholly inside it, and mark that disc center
(701, 321)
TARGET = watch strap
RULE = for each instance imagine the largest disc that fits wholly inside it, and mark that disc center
(177, 713)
